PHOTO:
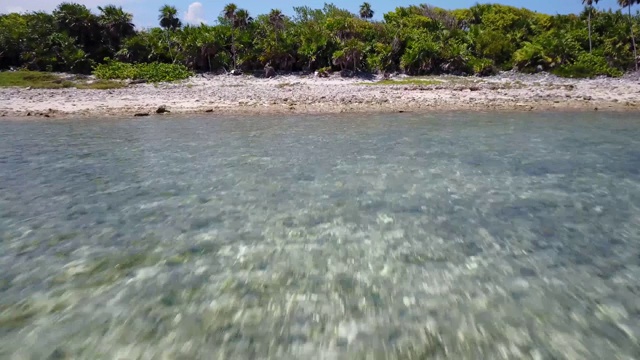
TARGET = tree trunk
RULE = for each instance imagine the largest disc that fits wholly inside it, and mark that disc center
(169, 44)
(633, 40)
(233, 48)
(173, 59)
(590, 46)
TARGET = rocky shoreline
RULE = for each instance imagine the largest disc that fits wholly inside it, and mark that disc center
(226, 94)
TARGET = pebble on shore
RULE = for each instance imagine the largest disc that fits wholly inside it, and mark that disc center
(310, 94)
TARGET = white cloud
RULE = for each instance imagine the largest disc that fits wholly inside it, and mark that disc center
(195, 13)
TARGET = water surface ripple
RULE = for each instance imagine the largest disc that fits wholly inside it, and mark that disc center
(462, 236)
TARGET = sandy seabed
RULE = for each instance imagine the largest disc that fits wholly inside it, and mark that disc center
(226, 94)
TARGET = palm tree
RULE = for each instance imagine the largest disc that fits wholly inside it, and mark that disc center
(77, 20)
(277, 20)
(589, 4)
(629, 3)
(365, 11)
(169, 22)
(242, 19)
(239, 19)
(229, 13)
(117, 23)
(169, 18)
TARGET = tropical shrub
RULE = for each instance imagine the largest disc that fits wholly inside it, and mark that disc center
(587, 66)
(380, 58)
(152, 72)
(418, 39)
(493, 45)
(482, 67)
(530, 56)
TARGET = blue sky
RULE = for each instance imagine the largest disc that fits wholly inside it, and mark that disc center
(145, 11)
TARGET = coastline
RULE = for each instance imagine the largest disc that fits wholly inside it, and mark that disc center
(293, 94)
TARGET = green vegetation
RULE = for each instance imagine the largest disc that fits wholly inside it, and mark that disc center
(416, 40)
(587, 65)
(153, 72)
(34, 79)
(40, 80)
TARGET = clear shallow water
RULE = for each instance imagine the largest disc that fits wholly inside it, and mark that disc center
(460, 236)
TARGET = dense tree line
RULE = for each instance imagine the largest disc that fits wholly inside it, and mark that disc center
(418, 39)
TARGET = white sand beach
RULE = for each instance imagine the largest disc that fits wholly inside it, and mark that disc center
(308, 94)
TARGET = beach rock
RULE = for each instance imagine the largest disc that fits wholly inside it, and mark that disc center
(309, 94)
(209, 111)
(137, 81)
(346, 73)
(539, 68)
(236, 72)
(162, 110)
(269, 71)
(141, 114)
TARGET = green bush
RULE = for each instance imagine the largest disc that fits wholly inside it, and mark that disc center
(587, 66)
(157, 72)
(530, 56)
(482, 67)
(380, 58)
(324, 72)
(153, 72)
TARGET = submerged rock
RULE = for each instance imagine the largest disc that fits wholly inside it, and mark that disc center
(141, 114)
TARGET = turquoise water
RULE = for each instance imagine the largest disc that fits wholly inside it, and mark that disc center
(462, 236)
